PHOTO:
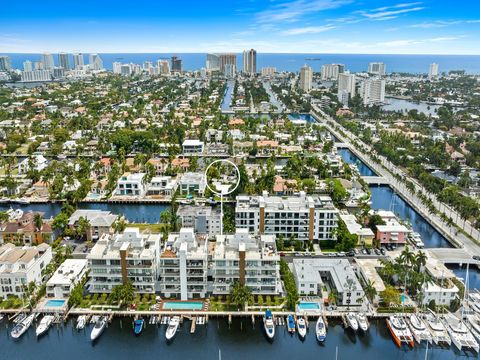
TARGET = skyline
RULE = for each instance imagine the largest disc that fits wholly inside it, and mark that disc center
(299, 26)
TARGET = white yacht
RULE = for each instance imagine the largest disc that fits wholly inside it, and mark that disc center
(352, 321)
(437, 329)
(416, 240)
(458, 331)
(44, 325)
(98, 328)
(81, 322)
(22, 327)
(399, 331)
(362, 322)
(320, 330)
(172, 327)
(473, 322)
(301, 327)
(269, 325)
(419, 329)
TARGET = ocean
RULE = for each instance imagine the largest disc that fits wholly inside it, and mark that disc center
(293, 62)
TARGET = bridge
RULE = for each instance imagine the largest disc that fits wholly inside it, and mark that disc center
(376, 180)
(453, 256)
(342, 145)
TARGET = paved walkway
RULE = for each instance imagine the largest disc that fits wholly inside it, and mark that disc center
(458, 239)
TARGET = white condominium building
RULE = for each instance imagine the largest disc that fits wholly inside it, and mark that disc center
(268, 71)
(377, 68)
(306, 76)
(372, 91)
(131, 185)
(311, 276)
(331, 71)
(299, 217)
(129, 256)
(69, 274)
(183, 266)
(433, 70)
(203, 219)
(36, 75)
(346, 87)
(20, 266)
(251, 260)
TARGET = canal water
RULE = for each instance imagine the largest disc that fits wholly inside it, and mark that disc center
(217, 340)
(227, 99)
(135, 213)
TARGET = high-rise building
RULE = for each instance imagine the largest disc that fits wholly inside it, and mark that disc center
(95, 62)
(47, 60)
(36, 75)
(250, 61)
(331, 71)
(117, 67)
(27, 65)
(5, 63)
(38, 65)
(64, 61)
(372, 91)
(377, 68)
(306, 76)
(268, 71)
(346, 87)
(176, 64)
(229, 70)
(163, 66)
(213, 62)
(78, 60)
(225, 59)
(433, 70)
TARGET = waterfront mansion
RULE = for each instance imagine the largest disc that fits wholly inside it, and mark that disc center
(301, 217)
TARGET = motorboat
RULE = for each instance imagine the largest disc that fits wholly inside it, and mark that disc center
(81, 322)
(419, 329)
(22, 327)
(459, 333)
(302, 327)
(362, 322)
(399, 330)
(320, 330)
(291, 324)
(416, 240)
(352, 321)
(138, 326)
(44, 325)
(98, 328)
(268, 324)
(172, 327)
(437, 329)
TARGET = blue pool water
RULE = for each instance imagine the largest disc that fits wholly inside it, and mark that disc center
(177, 305)
(308, 306)
(55, 303)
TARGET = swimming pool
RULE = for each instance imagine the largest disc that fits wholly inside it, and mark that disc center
(180, 305)
(308, 306)
(55, 303)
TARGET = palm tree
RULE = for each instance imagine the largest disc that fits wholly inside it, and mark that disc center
(370, 290)
(38, 221)
(420, 260)
(241, 295)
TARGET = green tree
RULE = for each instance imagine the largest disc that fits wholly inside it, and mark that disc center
(240, 295)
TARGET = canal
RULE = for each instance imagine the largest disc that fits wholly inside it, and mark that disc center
(217, 340)
(227, 99)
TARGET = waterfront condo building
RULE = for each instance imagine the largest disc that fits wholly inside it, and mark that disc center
(227, 59)
(252, 260)
(331, 71)
(306, 76)
(183, 265)
(129, 256)
(20, 266)
(250, 61)
(318, 277)
(377, 68)
(346, 87)
(372, 91)
(204, 220)
(302, 217)
(69, 274)
(433, 70)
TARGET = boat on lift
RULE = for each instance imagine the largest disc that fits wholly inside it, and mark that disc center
(81, 322)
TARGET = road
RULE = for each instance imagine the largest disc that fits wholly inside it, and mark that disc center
(457, 238)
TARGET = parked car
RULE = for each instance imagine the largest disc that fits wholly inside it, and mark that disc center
(377, 252)
(382, 251)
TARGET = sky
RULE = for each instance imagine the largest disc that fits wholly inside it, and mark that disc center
(269, 26)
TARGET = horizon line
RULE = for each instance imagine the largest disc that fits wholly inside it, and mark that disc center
(234, 52)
